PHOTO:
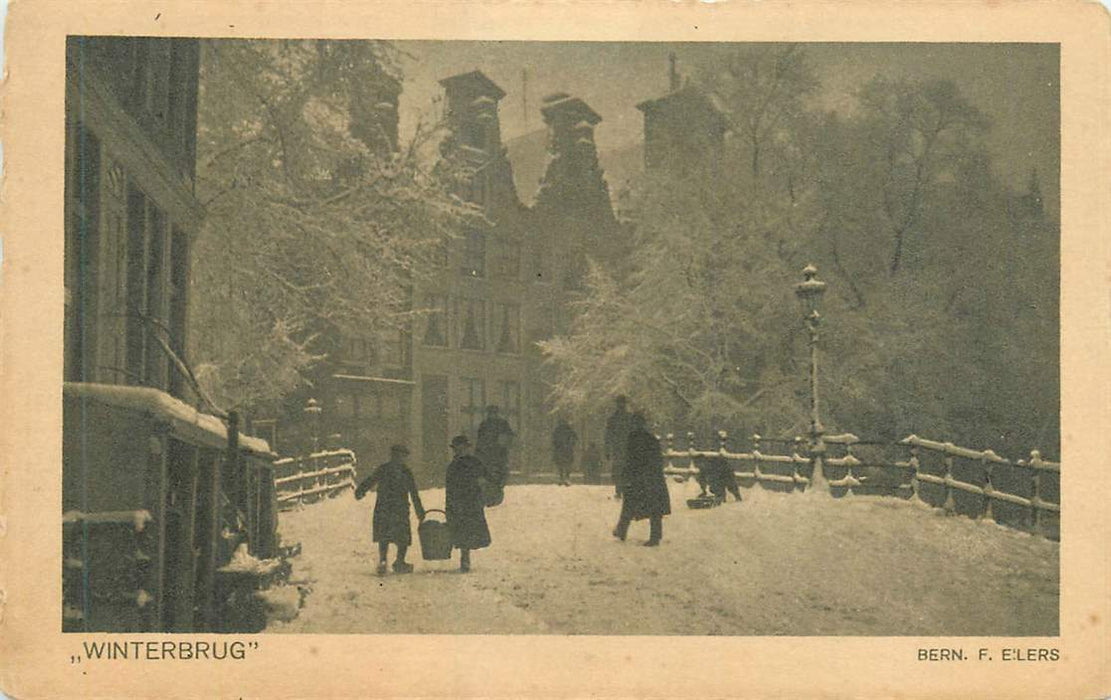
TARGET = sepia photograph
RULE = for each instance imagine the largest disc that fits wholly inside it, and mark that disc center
(551, 349)
(609, 338)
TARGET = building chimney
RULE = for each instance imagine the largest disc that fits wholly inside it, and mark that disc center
(673, 73)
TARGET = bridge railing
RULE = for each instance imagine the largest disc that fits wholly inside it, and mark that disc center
(313, 477)
(1024, 494)
(790, 471)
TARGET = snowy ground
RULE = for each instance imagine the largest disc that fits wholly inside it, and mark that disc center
(776, 564)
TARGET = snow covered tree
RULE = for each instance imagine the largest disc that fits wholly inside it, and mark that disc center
(940, 317)
(318, 219)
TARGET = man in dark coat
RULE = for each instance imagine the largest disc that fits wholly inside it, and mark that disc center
(494, 439)
(464, 502)
(645, 487)
(617, 438)
(563, 450)
(391, 509)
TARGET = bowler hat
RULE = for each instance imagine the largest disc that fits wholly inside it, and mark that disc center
(459, 441)
(399, 449)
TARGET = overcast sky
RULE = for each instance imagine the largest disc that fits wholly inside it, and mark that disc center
(1016, 85)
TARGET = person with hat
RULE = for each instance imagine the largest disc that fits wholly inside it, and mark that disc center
(495, 437)
(645, 487)
(464, 501)
(390, 523)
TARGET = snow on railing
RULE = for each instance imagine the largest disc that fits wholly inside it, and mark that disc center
(313, 477)
(755, 460)
(974, 473)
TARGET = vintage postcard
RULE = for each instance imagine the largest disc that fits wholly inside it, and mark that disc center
(600, 349)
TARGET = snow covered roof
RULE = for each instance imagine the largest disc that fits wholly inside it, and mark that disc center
(475, 81)
(572, 107)
(686, 97)
(160, 406)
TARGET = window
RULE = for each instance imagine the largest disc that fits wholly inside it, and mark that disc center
(141, 78)
(435, 321)
(179, 288)
(391, 347)
(359, 351)
(154, 367)
(541, 321)
(474, 254)
(506, 323)
(146, 291)
(160, 80)
(473, 404)
(472, 324)
(474, 135)
(83, 190)
(511, 403)
(183, 61)
(507, 259)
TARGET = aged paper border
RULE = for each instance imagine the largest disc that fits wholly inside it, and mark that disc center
(35, 656)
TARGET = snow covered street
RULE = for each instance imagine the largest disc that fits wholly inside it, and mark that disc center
(775, 564)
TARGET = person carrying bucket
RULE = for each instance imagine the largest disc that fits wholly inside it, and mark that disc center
(464, 503)
(390, 522)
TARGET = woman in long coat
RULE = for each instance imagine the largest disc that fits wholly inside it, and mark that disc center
(390, 522)
(464, 502)
(644, 484)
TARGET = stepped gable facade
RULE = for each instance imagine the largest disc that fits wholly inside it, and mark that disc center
(503, 283)
(468, 347)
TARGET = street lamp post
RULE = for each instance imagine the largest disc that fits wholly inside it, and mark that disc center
(313, 410)
(810, 291)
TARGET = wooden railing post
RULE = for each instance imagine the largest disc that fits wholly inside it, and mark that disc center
(690, 449)
(989, 465)
(756, 458)
(950, 502)
(915, 484)
(850, 460)
(796, 453)
(1035, 499)
(723, 436)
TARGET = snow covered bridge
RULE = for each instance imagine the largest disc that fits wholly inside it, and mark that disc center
(775, 564)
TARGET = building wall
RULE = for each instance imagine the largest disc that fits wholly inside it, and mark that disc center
(129, 206)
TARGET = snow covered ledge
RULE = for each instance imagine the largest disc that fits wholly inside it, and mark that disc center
(159, 405)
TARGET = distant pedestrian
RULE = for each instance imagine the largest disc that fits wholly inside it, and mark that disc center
(592, 464)
(563, 450)
(645, 487)
(464, 502)
(495, 437)
(617, 438)
(390, 523)
(717, 475)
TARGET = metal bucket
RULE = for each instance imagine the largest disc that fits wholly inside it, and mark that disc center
(435, 539)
